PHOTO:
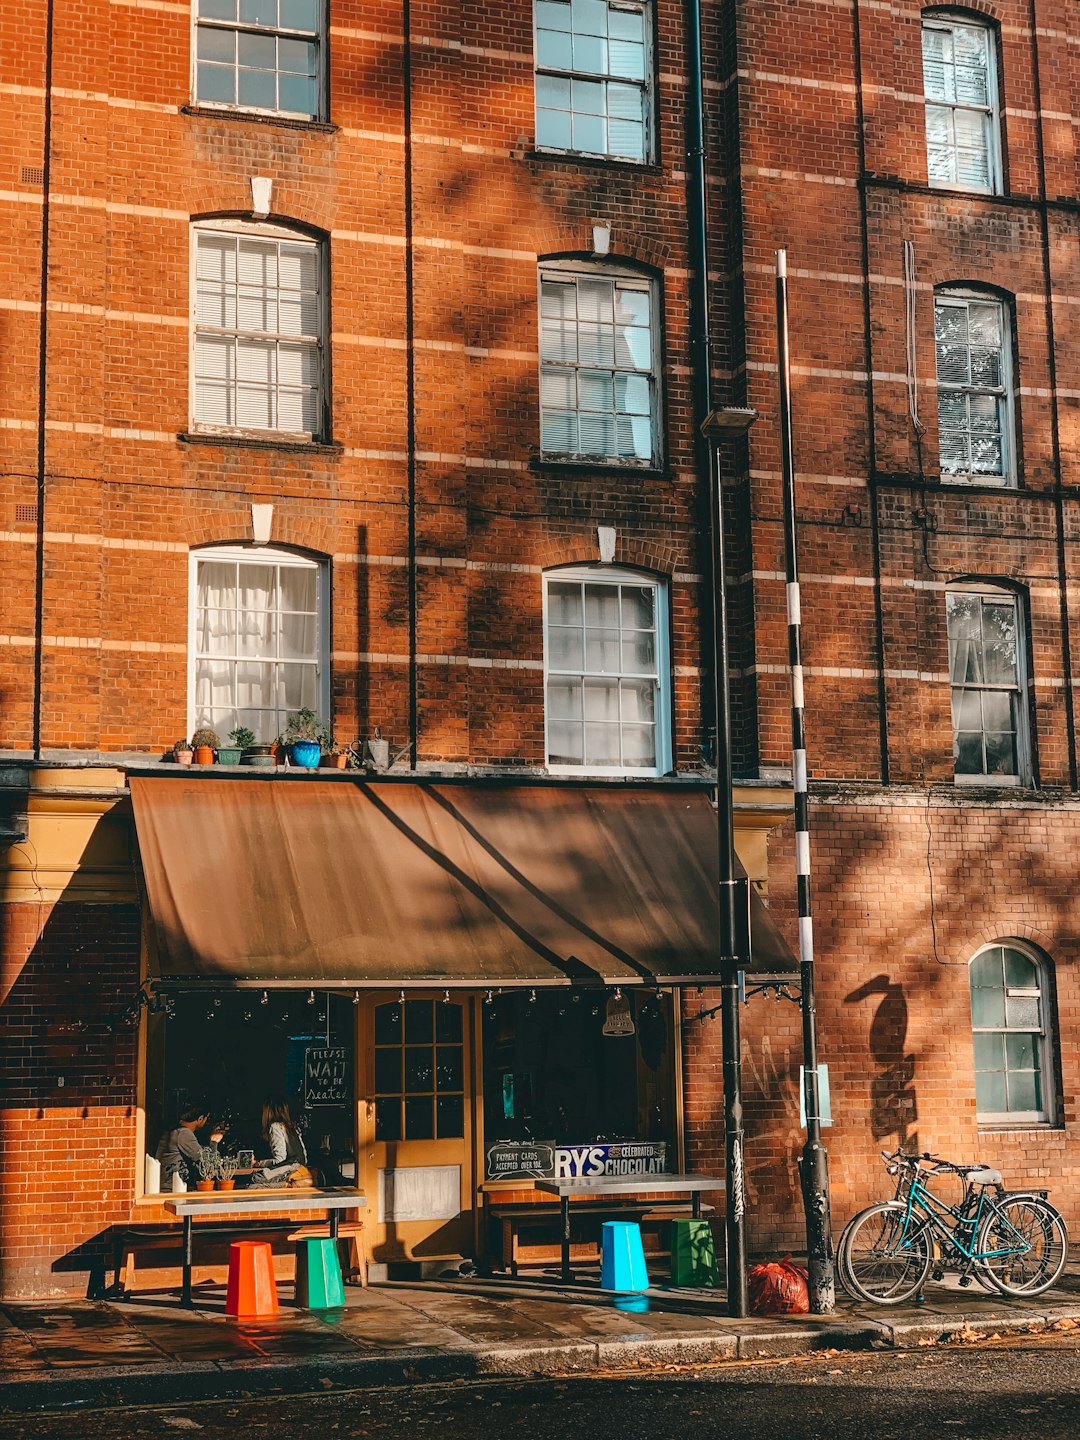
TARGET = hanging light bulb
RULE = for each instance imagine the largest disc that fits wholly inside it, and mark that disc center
(264, 998)
(217, 1002)
(489, 998)
(356, 997)
(311, 997)
(576, 998)
(532, 997)
(401, 998)
(618, 992)
(446, 997)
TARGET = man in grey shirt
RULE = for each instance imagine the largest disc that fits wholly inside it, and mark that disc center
(178, 1149)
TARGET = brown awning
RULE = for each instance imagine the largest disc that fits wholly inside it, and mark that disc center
(383, 882)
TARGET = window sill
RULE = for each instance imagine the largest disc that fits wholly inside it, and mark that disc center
(258, 441)
(1013, 785)
(284, 122)
(1020, 1127)
(599, 162)
(598, 466)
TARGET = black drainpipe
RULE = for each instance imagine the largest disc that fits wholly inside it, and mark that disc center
(43, 368)
(410, 376)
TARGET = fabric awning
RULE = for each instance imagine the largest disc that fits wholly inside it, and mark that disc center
(385, 882)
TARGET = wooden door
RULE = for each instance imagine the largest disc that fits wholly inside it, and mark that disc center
(416, 1125)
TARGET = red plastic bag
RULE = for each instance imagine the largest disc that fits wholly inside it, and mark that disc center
(779, 1288)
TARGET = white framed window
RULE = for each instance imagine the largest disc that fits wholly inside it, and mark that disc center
(1011, 1019)
(258, 645)
(593, 67)
(598, 365)
(607, 684)
(989, 687)
(259, 331)
(264, 56)
(962, 122)
(973, 348)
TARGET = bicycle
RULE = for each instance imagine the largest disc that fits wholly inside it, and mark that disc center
(1015, 1243)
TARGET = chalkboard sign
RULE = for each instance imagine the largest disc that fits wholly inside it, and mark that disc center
(520, 1160)
(326, 1075)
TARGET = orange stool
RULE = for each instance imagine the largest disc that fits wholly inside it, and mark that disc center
(252, 1293)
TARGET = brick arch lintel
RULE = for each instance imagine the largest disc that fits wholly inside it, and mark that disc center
(552, 239)
(999, 932)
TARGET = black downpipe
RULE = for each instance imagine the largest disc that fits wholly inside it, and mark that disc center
(43, 375)
(410, 378)
(733, 895)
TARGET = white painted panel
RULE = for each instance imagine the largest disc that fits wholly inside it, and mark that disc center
(420, 1192)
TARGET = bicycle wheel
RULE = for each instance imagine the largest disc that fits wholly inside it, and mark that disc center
(1023, 1245)
(884, 1260)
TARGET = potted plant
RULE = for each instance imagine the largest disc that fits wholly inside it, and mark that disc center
(208, 1165)
(225, 1179)
(240, 739)
(304, 737)
(182, 752)
(205, 742)
(334, 756)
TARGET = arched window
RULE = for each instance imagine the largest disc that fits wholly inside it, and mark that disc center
(963, 149)
(1011, 1022)
(599, 397)
(259, 324)
(989, 686)
(973, 347)
(258, 648)
(608, 700)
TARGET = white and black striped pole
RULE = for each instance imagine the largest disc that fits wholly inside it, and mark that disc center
(813, 1163)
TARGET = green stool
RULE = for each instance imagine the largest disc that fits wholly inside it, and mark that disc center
(318, 1274)
(693, 1255)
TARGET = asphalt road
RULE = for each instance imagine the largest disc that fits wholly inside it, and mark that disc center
(988, 1392)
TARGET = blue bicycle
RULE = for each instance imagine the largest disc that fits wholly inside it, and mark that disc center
(1012, 1242)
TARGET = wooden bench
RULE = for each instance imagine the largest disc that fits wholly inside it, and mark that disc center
(530, 1234)
(131, 1241)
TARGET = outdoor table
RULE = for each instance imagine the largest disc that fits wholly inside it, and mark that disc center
(257, 1202)
(691, 1185)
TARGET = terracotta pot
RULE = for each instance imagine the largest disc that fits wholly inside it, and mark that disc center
(182, 757)
(278, 752)
(204, 1184)
(204, 754)
(225, 1184)
(333, 762)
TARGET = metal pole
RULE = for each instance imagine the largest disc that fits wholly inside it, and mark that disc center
(813, 1163)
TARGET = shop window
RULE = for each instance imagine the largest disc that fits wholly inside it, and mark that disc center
(419, 1071)
(1010, 1021)
(260, 55)
(592, 77)
(607, 687)
(988, 687)
(960, 84)
(233, 1050)
(259, 332)
(973, 349)
(552, 1076)
(258, 639)
(598, 370)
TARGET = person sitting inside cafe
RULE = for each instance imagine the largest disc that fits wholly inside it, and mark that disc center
(178, 1149)
(288, 1156)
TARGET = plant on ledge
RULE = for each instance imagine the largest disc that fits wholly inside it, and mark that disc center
(242, 737)
(204, 742)
(182, 752)
(305, 735)
(209, 1167)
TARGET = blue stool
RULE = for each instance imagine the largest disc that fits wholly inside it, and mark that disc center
(318, 1274)
(622, 1259)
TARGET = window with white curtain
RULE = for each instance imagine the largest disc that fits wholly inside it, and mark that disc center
(259, 331)
(592, 77)
(960, 85)
(598, 365)
(973, 348)
(260, 55)
(258, 639)
(1011, 1031)
(607, 696)
(986, 667)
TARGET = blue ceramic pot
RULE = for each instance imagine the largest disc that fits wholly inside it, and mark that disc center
(305, 754)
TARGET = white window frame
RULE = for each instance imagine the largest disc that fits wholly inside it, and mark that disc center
(261, 554)
(958, 297)
(317, 36)
(1044, 1044)
(621, 276)
(613, 575)
(648, 90)
(1021, 689)
(254, 230)
(950, 23)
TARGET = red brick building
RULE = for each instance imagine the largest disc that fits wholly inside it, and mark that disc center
(350, 366)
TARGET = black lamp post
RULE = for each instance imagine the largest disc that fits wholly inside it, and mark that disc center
(734, 891)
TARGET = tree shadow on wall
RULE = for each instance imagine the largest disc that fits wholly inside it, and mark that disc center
(893, 1107)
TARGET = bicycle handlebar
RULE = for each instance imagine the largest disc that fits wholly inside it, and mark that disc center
(941, 1166)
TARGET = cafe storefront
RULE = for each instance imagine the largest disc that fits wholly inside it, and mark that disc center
(458, 987)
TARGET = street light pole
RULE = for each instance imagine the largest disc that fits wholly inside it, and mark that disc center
(734, 890)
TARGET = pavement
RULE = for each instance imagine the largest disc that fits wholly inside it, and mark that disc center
(146, 1349)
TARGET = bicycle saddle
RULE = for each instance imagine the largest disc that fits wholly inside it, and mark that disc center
(982, 1175)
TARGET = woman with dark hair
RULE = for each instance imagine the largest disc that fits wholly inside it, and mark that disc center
(288, 1157)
